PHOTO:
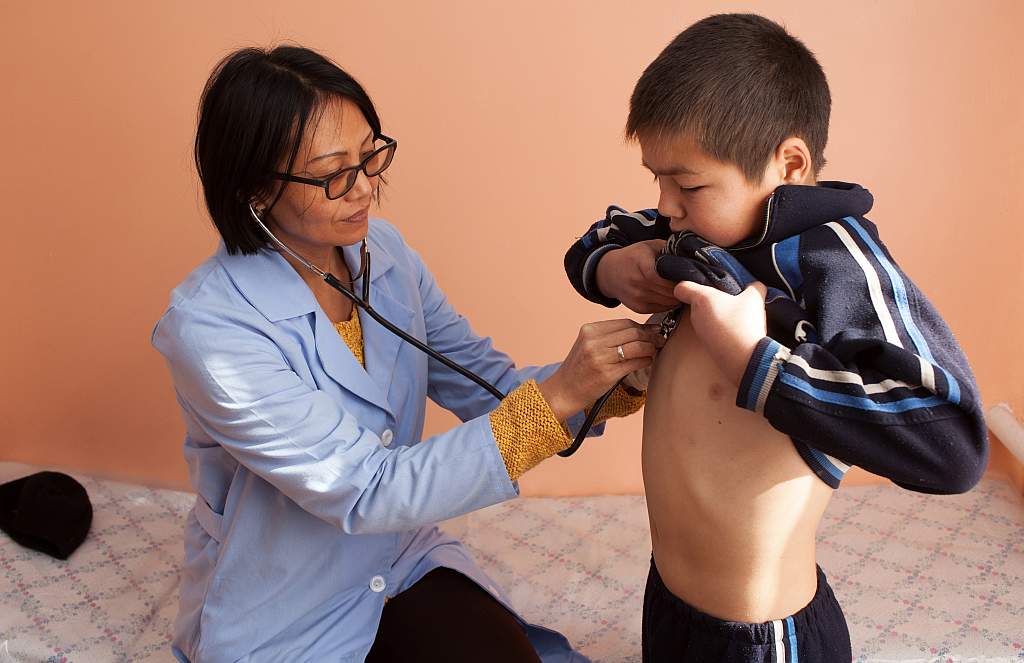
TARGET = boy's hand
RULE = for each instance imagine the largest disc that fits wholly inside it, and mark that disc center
(729, 326)
(629, 275)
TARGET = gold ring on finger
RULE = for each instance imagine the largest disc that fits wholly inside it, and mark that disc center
(621, 353)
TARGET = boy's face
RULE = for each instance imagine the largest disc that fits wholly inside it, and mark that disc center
(704, 195)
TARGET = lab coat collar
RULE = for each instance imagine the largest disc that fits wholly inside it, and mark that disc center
(277, 291)
(380, 350)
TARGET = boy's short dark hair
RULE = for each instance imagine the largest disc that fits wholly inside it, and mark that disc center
(740, 85)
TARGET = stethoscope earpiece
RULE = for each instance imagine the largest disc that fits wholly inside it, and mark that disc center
(281, 245)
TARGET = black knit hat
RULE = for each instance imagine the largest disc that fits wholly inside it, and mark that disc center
(46, 511)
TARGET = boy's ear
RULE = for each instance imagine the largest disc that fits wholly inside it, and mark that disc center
(793, 160)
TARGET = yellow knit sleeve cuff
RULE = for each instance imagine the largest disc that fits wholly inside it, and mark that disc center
(621, 403)
(526, 429)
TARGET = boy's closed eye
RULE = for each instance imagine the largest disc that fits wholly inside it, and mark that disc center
(684, 188)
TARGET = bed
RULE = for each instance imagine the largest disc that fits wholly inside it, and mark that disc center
(921, 578)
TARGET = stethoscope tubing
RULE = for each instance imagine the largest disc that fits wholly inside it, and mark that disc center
(364, 304)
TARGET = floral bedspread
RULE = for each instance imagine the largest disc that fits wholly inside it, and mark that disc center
(920, 578)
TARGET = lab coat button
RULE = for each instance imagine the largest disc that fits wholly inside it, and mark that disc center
(387, 437)
(377, 584)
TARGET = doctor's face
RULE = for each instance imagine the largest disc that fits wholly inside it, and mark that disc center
(304, 216)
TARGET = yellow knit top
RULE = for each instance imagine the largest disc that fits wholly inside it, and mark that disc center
(352, 333)
(523, 424)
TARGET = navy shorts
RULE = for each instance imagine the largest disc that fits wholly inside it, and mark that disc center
(675, 631)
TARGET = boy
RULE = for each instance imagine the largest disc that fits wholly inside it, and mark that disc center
(805, 314)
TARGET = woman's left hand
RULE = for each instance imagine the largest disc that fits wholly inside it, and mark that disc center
(604, 353)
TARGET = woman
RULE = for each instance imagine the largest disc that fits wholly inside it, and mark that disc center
(312, 536)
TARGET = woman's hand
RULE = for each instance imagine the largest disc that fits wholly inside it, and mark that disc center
(593, 365)
(628, 275)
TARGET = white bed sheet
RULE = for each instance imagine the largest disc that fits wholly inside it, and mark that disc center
(920, 578)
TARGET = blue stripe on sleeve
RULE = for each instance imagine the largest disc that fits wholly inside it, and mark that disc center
(590, 239)
(787, 257)
(763, 363)
(903, 304)
(899, 290)
(732, 265)
(826, 464)
(913, 403)
(953, 386)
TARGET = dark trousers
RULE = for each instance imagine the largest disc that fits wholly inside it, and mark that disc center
(448, 617)
(675, 631)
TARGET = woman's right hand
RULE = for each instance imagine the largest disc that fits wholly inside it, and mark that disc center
(593, 364)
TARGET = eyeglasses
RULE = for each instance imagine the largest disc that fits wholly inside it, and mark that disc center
(341, 182)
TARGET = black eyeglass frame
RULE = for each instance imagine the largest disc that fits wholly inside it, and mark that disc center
(325, 182)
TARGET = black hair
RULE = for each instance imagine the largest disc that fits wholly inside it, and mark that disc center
(739, 84)
(252, 115)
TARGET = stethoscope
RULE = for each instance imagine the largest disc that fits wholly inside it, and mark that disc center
(364, 303)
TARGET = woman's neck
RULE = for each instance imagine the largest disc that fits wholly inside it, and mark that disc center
(330, 259)
(327, 257)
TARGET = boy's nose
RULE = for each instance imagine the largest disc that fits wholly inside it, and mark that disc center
(670, 204)
(667, 206)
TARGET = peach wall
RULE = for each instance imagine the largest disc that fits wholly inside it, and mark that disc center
(510, 119)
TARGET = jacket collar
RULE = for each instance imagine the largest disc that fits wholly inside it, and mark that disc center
(794, 208)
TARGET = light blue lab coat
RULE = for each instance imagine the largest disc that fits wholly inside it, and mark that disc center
(316, 493)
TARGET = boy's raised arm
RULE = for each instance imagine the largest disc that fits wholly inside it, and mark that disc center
(616, 230)
(885, 386)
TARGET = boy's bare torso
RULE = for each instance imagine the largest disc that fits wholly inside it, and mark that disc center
(733, 507)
